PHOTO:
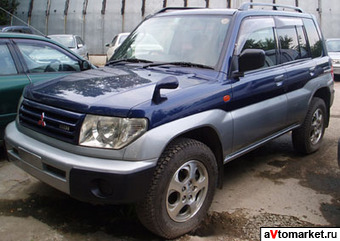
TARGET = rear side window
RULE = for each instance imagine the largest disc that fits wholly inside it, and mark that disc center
(292, 40)
(314, 39)
(293, 44)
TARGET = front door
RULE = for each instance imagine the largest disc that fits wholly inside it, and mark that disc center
(259, 103)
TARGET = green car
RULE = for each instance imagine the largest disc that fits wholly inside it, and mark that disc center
(25, 59)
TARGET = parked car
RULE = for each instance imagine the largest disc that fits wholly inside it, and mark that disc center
(73, 42)
(16, 29)
(115, 43)
(156, 124)
(333, 46)
(24, 59)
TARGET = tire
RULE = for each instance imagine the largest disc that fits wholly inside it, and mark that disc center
(308, 137)
(181, 191)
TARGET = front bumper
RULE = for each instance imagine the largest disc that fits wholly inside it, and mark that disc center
(336, 69)
(90, 179)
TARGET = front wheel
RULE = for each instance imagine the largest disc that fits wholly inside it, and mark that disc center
(181, 191)
(308, 137)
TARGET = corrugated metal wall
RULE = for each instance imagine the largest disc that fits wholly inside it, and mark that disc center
(97, 21)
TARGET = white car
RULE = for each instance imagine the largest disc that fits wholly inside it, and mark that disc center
(115, 43)
(73, 42)
(333, 46)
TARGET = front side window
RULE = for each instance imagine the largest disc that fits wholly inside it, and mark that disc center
(43, 57)
(7, 66)
(79, 41)
(258, 33)
(196, 39)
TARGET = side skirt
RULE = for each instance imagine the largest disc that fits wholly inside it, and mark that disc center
(247, 149)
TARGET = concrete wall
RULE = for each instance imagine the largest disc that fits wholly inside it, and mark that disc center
(97, 21)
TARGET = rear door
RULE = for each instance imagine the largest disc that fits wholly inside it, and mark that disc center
(12, 82)
(259, 102)
(296, 57)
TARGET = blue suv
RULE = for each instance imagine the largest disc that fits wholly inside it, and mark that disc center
(188, 91)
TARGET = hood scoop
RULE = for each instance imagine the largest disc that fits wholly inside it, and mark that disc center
(169, 82)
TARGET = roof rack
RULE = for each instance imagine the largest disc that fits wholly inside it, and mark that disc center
(246, 6)
(176, 8)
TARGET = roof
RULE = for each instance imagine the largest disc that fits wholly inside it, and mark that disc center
(6, 35)
(196, 11)
(22, 35)
(245, 9)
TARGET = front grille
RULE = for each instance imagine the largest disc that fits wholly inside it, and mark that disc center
(58, 123)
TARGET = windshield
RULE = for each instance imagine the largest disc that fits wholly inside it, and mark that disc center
(333, 45)
(122, 38)
(67, 41)
(191, 38)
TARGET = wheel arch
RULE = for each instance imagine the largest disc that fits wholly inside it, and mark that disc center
(208, 136)
(325, 95)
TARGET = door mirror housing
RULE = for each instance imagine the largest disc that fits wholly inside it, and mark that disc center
(84, 65)
(251, 59)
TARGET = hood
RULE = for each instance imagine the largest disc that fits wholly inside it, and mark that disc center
(105, 91)
(334, 55)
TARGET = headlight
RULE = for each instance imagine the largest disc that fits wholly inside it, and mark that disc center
(110, 132)
(336, 61)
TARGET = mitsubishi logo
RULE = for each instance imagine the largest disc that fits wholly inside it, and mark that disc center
(41, 122)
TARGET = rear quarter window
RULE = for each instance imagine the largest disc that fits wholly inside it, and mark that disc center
(314, 39)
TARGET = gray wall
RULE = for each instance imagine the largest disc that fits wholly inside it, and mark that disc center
(97, 21)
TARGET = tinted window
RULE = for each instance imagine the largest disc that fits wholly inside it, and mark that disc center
(292, 39)
(7, 65)
(289, 44)
(302, 42)
(313, 38)
(258, 33)
(42, 57)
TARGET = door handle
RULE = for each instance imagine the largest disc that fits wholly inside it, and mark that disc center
(279, 80)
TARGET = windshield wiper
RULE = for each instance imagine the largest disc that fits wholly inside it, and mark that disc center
(182, 64)
(128, 61)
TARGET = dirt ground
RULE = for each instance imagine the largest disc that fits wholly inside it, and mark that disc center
(271, 186)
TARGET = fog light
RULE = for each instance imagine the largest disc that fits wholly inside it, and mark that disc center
(101, 188)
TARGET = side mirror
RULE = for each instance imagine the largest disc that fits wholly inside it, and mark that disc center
(80, 46)
(108, 45)
(250, 59)
(84, 65)
(169, 82)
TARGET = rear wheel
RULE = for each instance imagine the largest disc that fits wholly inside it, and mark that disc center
(308, 137)
(181, 191)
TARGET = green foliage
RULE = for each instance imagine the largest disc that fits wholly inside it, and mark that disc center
(10, 6)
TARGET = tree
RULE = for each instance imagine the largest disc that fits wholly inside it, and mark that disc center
(10, 6)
